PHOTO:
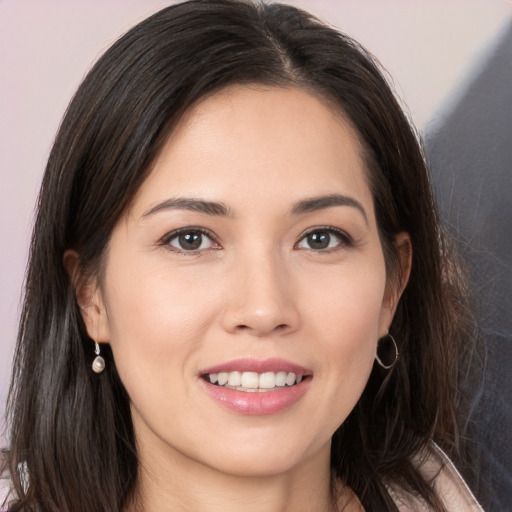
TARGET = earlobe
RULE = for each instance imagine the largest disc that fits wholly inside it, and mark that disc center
(89, 298)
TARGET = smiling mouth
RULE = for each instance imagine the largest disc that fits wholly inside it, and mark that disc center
(252, 382)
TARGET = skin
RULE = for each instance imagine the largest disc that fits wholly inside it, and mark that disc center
(254, 289)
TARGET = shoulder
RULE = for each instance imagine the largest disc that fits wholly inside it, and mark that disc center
(436, 467)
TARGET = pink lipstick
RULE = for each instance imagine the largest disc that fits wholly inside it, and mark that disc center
(256, 387)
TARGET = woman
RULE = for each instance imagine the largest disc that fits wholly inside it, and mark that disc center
(234, 213)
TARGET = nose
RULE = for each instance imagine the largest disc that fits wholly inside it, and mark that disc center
(261, 300)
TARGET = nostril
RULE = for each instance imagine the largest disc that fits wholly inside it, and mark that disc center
(244, 327)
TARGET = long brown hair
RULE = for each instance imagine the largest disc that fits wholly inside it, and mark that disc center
(71, 430)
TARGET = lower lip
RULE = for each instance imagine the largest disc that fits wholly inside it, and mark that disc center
(258, 403)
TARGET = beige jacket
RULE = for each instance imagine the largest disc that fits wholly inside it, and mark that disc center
(449, 485)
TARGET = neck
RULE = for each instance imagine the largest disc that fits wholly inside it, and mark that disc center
(173, 482)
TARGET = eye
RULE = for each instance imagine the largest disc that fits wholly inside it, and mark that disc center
(190, 240)
(321, 239)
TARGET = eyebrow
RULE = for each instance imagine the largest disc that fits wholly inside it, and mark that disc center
(191, 204)
(222, 210)
(322, 202)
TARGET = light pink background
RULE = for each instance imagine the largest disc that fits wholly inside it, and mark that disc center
(431, 48)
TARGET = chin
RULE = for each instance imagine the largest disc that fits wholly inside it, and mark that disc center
(259, 460)
(260, 467)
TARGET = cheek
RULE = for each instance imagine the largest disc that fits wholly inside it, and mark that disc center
(151, 297)
(345, 306)
(157, 320)
(344, 320)
(349, 348)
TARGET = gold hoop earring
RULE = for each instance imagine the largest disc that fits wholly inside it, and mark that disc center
(98, 365)
(387, 352)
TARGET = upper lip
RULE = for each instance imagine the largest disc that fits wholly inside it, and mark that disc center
(258, 366)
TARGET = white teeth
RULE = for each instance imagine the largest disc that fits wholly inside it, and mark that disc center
(234, 379)
(267, 380)
(249, 380)
(281, 379)
(252, 381)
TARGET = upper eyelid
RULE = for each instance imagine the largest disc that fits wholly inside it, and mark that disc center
(166, 240)
(204, 231)
(340, 232)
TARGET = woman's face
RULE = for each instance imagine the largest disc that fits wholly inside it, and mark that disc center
(251, 254)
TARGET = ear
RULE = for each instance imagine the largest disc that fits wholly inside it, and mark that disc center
(397, 281)
(89, 298)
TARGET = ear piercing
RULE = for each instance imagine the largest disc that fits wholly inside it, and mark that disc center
(98, 365)
(387, 352)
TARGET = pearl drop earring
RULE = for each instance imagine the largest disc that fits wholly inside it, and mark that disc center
(98, 365)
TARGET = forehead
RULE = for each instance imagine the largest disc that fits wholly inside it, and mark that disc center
(261, 111)
(256, 140)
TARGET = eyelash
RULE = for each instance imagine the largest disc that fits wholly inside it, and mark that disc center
(346, 241)
(169, 237)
